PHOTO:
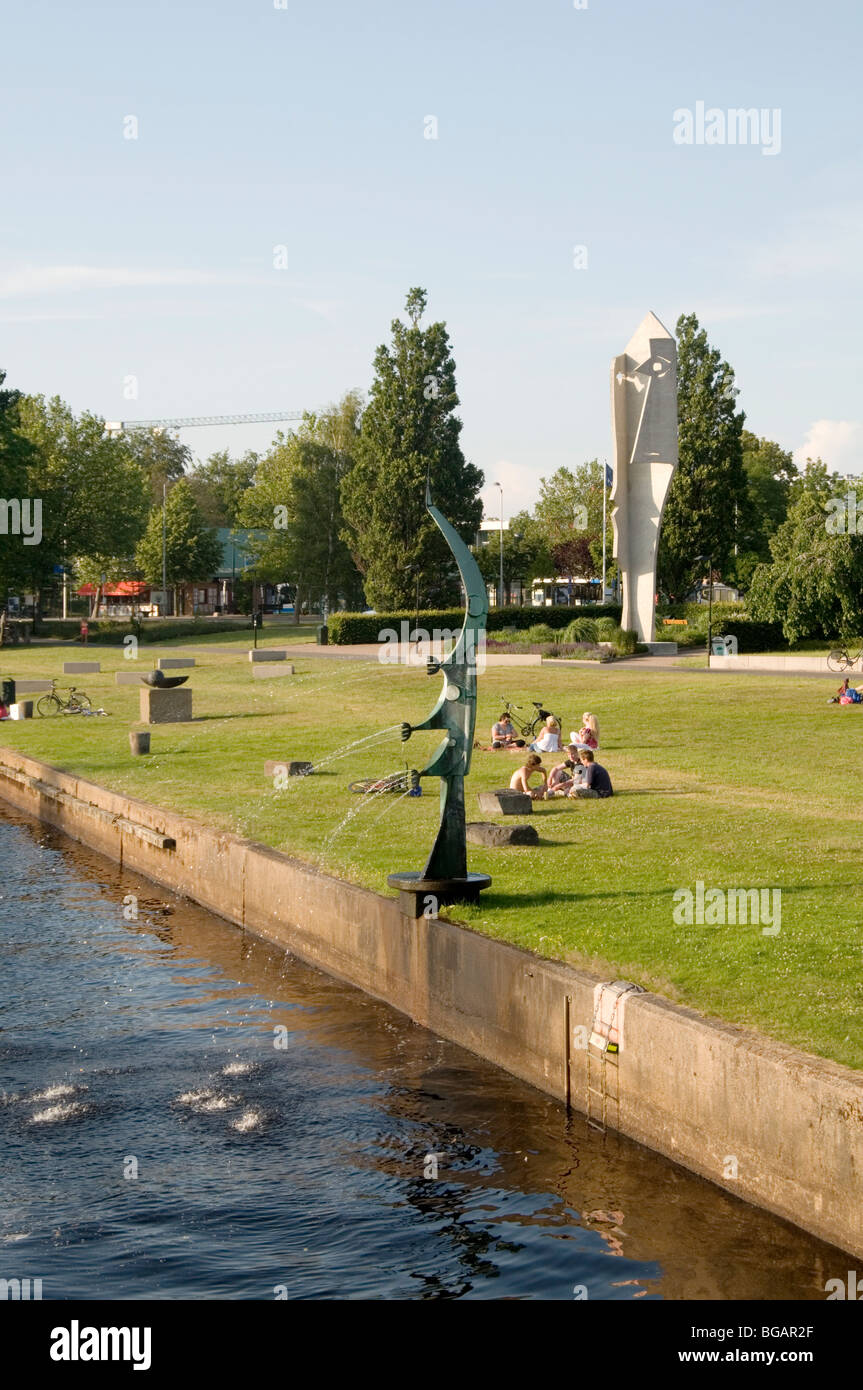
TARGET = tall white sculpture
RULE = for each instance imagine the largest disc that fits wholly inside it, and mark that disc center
(644, 424)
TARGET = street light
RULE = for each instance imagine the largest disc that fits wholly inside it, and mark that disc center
(696, 561)
(500, 488)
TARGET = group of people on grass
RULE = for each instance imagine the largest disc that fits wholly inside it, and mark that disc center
(578, 775)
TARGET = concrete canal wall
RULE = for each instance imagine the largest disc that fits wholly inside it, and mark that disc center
(773, 1125)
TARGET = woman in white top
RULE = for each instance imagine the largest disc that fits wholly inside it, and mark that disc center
(549, 739)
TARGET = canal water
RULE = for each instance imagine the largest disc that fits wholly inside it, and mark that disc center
(186, 1112)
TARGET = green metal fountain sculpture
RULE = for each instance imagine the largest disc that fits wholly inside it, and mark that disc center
(445, 878)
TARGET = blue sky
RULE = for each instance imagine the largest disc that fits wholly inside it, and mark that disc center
(304, 127)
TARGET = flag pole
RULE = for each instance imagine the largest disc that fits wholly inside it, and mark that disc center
(604, 491)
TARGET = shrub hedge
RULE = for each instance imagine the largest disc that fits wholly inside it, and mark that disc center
(113, 630)
(348, 629)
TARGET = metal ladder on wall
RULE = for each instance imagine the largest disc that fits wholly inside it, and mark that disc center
(601, 1069)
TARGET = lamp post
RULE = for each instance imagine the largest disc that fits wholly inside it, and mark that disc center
(165, 542)
(500, 488)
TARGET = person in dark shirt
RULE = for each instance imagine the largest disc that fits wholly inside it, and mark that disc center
(596, 779)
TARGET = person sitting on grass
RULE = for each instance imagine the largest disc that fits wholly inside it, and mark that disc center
(588, 734)
(549, 738)
(503, 734)
(596, 779)
(846, 695)
(560, 778)
(520, 780)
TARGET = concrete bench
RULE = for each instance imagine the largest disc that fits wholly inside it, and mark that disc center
(80, 668)
(174, 663)
(482, 833)
(263, 670)
(505, 803)
(25, 687)
(128, 677)
(267, 654)
(294, 767)
(160, 706)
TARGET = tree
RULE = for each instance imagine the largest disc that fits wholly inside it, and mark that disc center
(708, 492)
(814, 583)
(296, 501)
(161, 455)
(192, 549)
(770, 472)
(16, 458)
(93, 492)
(220, 484)
(568, 517)
(525, 556)
(410, 433)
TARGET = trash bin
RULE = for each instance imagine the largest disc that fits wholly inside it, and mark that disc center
(7, 691)
(718, 646)
(323, 635)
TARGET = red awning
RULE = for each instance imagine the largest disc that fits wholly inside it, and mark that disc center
(124, 588)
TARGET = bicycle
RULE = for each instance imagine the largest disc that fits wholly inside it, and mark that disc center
(533, 727)
(52, 703)
(841, 659)
(407, 781)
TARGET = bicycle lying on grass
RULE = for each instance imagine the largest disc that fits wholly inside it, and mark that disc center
(53, 703)
(530, 728)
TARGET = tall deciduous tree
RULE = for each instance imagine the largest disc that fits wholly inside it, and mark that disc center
(16, 458)
(220, 484)
(94, 493)
(814, 583)
(568, 516)
(708, 493)
(162, 456)
(192, 548)
(296, 502)
(410, 432)
(770, 472)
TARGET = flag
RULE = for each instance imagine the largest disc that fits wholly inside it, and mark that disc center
(609, 476)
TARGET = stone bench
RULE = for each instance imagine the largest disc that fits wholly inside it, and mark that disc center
(267, 654)
(80, 668)
(174, 663)
(129, 677)
(505, 803)
(482, 833)
(25, 687)
(294, 767)
(264, 670)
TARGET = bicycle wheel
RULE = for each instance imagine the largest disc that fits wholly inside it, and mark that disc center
(79, 701)
(364, 784)
(838, 660)
(49, 704)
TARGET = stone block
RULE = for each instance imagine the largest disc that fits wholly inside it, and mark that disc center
(266, 654)
(505, 803)
(482, 833)
(80, 668)
(165, 706)
(129, 677)
(139, 742)
(25, 687)
(293, 767)
(174, 663)
(23, 709)
(263, 670)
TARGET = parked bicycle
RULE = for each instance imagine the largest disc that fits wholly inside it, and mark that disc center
(53, 703)
(843, 659)
(527, 727)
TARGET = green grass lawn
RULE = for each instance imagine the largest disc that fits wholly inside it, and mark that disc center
(736, 781)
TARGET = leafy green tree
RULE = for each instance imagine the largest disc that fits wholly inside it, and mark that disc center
(93, 491)
(770, 472)
(162, 456)
(220, 484)
(410, 432)
(296, 501)
(814, 583)
(568, 516)
(192, 549)
(525, 556)
(708, 493)
(16, 459)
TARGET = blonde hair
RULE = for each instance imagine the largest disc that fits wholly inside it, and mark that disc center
(591, 722)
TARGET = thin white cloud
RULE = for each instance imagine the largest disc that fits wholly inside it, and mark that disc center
(66, 279)
(838, 442)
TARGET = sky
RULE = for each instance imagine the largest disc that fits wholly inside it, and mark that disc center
(524, 162)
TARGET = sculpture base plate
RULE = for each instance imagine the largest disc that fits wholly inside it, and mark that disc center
(414, 890)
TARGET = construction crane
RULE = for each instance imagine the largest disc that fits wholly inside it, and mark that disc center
(185, 422)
